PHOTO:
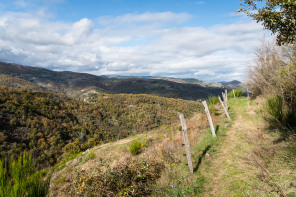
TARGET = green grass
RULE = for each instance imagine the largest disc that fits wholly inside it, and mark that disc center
(18, 178)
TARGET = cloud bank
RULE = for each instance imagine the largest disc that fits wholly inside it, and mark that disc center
(133, 44)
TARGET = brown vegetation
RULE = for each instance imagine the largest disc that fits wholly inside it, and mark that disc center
(274, 76)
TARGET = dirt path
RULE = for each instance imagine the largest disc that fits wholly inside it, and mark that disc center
(218, 181)
(250, 160)
(226, 174)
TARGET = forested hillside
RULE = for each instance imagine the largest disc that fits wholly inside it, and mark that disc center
(81, 85)
(50, 125)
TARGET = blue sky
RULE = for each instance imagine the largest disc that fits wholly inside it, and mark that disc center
(169, 38)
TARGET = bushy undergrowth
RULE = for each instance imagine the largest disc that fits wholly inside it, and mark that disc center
(53, 127)
(135, 147)
(273, 76)
(18, 178)
(130, 179)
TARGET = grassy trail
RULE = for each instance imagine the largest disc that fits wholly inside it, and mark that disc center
(248, 162)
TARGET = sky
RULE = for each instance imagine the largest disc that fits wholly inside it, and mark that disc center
(205, 39)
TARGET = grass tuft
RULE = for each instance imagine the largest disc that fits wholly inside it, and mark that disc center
(18, 178)
(135, 147)
(212, 100)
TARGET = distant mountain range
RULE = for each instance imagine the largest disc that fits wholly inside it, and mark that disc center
(230, 85)
(82, 85)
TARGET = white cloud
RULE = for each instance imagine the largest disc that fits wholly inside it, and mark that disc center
(132, 44)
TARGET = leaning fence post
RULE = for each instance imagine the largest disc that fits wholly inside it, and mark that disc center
(209, 118)
(184, 131)
(233, 93)
(227, 115)
(225, 100)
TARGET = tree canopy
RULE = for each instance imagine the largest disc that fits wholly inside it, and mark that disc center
(279, 16)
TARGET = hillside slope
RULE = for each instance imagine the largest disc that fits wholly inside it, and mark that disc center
(82, 85)
(50, 125)
(244, 160)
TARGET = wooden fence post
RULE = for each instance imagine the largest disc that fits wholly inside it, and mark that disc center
(233, 93)
(184, 131)
(227, 115)
(209, 118)
(226, 99)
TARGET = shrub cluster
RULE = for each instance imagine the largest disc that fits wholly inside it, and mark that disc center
(274, 76)
(130, 179)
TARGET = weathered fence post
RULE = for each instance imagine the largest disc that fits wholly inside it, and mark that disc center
(233, 93)
(227, 115)
(226, 99)
(184, 131)
(209, 118)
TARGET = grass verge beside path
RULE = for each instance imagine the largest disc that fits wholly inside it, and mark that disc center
(250, 161)
(177, 181)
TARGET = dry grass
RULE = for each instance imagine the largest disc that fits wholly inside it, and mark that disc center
(163, 145)
(243, 160)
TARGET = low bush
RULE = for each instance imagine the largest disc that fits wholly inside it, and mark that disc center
(130, 179)
(135, 147)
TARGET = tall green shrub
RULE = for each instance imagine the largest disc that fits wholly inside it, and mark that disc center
(212, 100)
(274, 108)
(280, 114)
(18, 178)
